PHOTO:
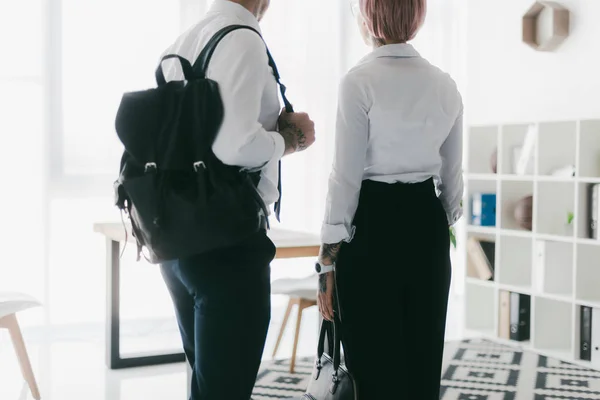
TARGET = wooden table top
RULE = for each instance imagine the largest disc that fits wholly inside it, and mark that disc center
(289, 243)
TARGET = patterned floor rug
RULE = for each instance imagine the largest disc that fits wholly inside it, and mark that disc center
(473, 370)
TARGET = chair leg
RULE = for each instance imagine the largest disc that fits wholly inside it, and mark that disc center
(290, 305)
(302, 305)
(10, 322)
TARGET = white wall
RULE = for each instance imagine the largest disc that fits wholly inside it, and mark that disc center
(510, 82)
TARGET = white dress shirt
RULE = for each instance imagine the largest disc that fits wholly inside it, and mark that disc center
(399, 120)
(240, 66)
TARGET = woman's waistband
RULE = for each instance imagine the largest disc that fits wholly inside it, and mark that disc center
(425, 188)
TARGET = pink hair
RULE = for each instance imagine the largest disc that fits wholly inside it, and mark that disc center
(395, 21)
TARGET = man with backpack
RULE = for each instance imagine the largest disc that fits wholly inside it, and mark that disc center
(222, 296)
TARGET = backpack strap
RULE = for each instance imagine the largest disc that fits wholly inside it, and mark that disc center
(201, 64)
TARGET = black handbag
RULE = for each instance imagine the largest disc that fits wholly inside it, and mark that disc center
(330, 379)
(182, 200)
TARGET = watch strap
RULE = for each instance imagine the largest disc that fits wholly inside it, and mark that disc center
(323, 269)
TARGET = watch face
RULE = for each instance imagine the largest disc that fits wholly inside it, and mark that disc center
(318, 267)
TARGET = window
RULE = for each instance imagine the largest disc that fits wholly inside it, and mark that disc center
(22, 153)
(107, 48)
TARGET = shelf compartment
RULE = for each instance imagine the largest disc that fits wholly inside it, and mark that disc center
(481, 177)
(556, 297)
(483, 142)
(480, 303)
(593, 304)
(588, 273)
(476, 189)
(557, 142)
(554, 202)
(553, 267)
(523, 178)
(513, 137)
(490, 284)
(481, 256)
(589, 149)
(484, 230)
(515, 259)
(554, 238)
(552, 326)
(515, 289)
(517, 233)
(589, 180)
(585, 210)
(512, 194)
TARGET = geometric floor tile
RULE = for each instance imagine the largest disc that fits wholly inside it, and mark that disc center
(473, 370)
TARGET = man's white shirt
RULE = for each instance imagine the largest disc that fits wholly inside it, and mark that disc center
(248, 136)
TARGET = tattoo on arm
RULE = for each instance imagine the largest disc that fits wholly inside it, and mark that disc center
(329, 252)
(293, 136)
(323, 283)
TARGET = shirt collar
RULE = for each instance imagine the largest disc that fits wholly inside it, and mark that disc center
(399, 50)
(236, 10)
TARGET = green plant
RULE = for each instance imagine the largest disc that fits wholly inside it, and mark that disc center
(570, 217)
(453, 237)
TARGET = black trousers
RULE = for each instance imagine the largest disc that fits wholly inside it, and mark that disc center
(393, 281)
(223, 307)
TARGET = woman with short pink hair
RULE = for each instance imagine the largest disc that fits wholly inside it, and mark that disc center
(395, 187)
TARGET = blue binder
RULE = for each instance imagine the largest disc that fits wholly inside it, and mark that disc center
(483, 209)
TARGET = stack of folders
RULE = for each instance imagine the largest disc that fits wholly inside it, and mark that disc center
(514, 316)
(481, 258)
(589, 344)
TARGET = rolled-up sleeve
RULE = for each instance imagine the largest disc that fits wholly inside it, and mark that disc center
(345, 180)
(240, 67)
(451, 186)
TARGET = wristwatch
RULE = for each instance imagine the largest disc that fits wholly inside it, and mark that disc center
(323, 269)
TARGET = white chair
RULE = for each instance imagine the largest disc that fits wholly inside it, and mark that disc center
(10, 304)
(303, 293)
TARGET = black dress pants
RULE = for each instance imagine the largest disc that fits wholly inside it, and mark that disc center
(393, 280)
(223, 307)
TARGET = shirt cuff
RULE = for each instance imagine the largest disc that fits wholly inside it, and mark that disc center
(454, 216)
(332, 234)
(279, 146)
(277, 153)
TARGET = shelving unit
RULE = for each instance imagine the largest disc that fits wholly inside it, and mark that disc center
(569, 275)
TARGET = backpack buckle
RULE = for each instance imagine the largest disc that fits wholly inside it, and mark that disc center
(149, 166)
(199, 164)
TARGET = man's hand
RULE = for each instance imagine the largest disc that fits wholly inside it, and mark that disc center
(325, 295)
(297, 130)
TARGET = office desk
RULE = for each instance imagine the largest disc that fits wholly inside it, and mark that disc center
(289, 244)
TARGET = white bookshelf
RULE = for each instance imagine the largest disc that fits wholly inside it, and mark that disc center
(570, 275)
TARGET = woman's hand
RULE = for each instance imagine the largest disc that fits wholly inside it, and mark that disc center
(327, 256)
(325, 295)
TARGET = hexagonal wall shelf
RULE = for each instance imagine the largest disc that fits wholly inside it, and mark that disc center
(545, 25)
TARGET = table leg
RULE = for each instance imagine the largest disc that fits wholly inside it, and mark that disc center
(113, 282)
(113, 321)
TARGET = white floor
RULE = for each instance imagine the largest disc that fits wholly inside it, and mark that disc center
(69, 361)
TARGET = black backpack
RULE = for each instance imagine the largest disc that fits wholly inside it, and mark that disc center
(182, 200)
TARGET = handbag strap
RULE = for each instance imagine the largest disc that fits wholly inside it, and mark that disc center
(335, 329)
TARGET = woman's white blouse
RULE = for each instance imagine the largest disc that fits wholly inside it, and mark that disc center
(400, 119)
